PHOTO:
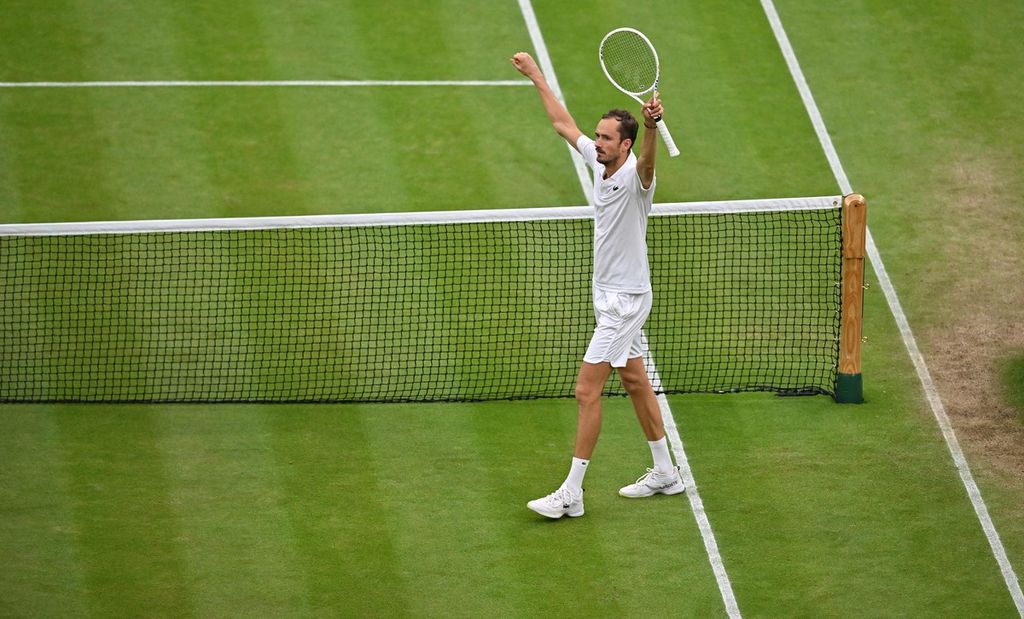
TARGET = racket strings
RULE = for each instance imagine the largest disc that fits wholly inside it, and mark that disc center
(630, 62)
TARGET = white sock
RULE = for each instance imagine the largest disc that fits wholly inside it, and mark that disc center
(662, 459)
(574, 481)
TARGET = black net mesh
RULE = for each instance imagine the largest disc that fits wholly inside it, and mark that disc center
(431, 312)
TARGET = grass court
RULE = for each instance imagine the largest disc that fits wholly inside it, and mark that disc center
(419, 510)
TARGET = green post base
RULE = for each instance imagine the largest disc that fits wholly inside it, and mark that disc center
(850, 389)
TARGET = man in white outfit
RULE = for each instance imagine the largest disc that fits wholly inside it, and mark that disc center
(623, 195)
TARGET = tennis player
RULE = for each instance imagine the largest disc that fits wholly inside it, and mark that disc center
(623, 195)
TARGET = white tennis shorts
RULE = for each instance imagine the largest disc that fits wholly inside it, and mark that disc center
(618, 336)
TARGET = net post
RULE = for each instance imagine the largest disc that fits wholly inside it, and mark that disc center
(849, 382)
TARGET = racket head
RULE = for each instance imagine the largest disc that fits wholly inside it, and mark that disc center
(629, 61)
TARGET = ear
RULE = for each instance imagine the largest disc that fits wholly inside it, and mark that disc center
(628, 143)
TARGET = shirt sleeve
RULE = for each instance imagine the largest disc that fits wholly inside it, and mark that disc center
(586, 148)
(645, 197)
(640, 186)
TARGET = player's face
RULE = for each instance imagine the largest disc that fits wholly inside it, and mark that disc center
(609, 143)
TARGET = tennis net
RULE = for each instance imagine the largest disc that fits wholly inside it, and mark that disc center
(461, 305)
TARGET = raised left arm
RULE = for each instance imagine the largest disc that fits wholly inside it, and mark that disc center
(649, 142)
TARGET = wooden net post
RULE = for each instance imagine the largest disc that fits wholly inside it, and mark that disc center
(849, 383)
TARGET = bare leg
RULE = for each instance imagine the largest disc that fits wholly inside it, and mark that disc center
(645, 402)
(589, 385)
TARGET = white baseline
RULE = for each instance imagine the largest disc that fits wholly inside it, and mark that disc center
(931, 392)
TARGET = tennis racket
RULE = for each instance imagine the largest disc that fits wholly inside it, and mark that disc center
(631, 65)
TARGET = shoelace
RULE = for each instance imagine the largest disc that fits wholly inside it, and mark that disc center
(562, 496)
(643, 478)
(647, 476)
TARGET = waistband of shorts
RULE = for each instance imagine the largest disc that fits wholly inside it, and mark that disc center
(612, 290)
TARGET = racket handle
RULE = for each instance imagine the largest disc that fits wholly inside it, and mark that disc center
(667, 138)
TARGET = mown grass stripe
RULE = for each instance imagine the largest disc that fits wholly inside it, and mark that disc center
(126, 532)
(445, 506)
(344, 541)
(226, 491)
(41, 574)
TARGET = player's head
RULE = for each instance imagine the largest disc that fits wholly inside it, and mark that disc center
(615, 135)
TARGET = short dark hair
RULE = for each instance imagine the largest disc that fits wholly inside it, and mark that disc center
(628, 126)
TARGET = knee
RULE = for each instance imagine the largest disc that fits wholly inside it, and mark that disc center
(587, 395)
(634, 383)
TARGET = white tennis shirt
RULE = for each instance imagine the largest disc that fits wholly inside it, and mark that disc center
(621, 207)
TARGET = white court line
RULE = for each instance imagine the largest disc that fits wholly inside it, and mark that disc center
(696, 504)
(264, 83)
(549, 72)
(671, 431)
(931, 392)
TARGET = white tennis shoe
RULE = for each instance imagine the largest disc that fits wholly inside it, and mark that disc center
(653, 482)
(561, 502)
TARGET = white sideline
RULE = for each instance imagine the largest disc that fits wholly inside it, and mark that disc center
(696, 503)
(526, 8)
(927, 384)
(263, 83)
(714, 556)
